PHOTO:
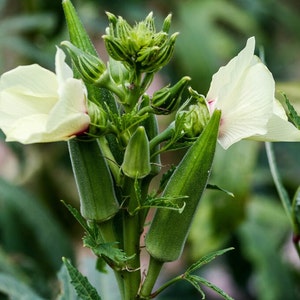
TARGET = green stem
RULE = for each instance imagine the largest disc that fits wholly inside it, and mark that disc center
(114, 168)
(152, 275)
(131, 241)
(108, 235)
(283, 195)
(161, 137)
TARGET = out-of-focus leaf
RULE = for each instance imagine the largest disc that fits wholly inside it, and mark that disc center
(262, 238)
(11, 267)
(206, 29)
(25, 23)
(16, 289)
(50, 237)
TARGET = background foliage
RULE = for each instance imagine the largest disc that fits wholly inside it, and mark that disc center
(35, 228)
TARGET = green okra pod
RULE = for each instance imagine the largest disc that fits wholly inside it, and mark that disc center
(94, 182)
(136, 162)
(169, 229)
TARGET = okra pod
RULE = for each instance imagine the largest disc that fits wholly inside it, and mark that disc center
(169, 229)
(94, 182)
(136, 163)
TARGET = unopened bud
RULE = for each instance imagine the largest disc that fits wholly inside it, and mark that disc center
(139, 47)
(99, 120)
(196, 116)
(89, 66)
(168, 99)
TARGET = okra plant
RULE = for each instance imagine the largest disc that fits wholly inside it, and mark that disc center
(104, 113)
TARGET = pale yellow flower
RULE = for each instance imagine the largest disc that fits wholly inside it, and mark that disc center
(244, 91)
(38, 106)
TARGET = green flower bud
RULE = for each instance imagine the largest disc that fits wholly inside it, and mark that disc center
(89, 66)
(167, 23)
(118, 73)
(140, 47)
(99, 124)
(168, 99)
(136, 162)
(196, 117)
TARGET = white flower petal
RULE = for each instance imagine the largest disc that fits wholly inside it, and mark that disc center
(72, 102)
(63, 71)
(279, 130)
(30, 80)
(244, 91)
(38, 106)
(232, 70)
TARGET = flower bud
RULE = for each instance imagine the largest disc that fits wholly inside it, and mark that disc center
(89, 66)
(196, 117)
(118, 73)
(168, 99)
(136, 162)
(99, 120)
(140, 47)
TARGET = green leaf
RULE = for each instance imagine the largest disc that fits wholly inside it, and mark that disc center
(172, 203)
(77, 216)
(67, 289)
(114, 256)
(213, 287)
(295, 118)
(16, 289)
(215, 187)
(81, 284)
(206, 259)
(194, 281)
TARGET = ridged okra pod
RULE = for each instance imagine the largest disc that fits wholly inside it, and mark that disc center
(169, 229)
(94, 182)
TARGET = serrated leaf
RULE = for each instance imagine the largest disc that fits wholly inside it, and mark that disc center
(166, 203)
(114, 256)
(294, 117)
(67, 289)
(206, 259)
(193, 280)
(81, 284)
(77, 216)
(214, 287)
(16, 289)
(165, 177)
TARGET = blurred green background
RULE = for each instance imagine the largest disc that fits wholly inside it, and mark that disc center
(35, 228)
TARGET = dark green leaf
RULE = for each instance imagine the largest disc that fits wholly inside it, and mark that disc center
(295, 118)
(194, 280)
(206, 259)
(81, 284)
(214, 287)
(67, 289)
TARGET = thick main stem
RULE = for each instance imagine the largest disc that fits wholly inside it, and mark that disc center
(131, 240)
